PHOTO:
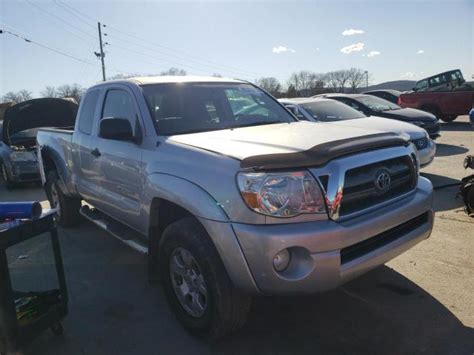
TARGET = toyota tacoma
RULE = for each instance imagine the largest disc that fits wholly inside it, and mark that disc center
(228, 204)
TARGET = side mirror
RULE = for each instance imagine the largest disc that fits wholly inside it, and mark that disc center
(118, 129)
(294, 110)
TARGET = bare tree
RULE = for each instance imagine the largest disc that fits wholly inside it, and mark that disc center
(74, 91)
(17, 97)
(331, 81)
(356, 78)
(49, 91)
(342, 76)
(306, 83)
(174, 71)
(271, 84)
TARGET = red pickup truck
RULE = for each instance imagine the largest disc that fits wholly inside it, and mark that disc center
(446, 95)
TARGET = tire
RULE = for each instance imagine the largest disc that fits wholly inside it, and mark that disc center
(433, 110)
(450, 118)
(68, 209)
(6, 179)
(224, 309)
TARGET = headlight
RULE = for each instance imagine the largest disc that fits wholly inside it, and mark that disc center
(23, 156)
(418, 123)
(281, 194)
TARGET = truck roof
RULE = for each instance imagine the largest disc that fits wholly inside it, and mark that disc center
(146, 80)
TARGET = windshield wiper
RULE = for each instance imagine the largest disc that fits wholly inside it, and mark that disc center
(255, 124)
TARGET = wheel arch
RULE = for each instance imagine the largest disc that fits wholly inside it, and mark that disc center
(51, 161)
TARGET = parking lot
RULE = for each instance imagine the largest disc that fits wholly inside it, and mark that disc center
(420, 302)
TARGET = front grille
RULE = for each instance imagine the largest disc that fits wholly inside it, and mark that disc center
(420, 143)
(362, 191)
(366, 246)
(432, 129)
(29, 177)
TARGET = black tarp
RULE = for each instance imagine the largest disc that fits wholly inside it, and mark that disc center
(36, 113)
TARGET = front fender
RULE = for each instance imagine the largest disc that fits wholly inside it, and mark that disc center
(185, 194)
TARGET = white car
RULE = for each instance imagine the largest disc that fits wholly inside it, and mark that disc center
(327, 110)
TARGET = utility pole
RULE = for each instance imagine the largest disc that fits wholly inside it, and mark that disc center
(366, 79)
(102, 55)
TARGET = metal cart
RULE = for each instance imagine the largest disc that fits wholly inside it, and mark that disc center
(51, 306)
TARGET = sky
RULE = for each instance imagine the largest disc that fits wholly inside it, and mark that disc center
(241, 39)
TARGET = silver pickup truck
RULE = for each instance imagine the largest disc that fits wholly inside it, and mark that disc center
(231, 203)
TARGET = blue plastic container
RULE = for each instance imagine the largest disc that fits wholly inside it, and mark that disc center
(20, 210)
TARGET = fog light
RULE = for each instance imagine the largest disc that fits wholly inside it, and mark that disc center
(281, 260)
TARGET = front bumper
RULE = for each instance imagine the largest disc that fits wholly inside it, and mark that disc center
(316, 247)
(24, 171)
(433, 129)
(426, 155)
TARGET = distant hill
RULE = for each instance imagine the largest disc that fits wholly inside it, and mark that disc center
(401, 85)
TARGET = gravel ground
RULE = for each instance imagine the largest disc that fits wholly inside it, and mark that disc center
(420, 302)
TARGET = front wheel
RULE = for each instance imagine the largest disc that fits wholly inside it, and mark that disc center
(196, 283)
(67, 208)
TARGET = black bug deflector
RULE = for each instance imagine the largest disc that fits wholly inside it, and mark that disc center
(323, 153)
(36, 113)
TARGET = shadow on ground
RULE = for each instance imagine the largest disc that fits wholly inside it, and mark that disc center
(446, 196)
(456, 126)
(113, 310)
(445, 150)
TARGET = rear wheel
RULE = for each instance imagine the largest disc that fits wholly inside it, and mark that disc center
(449, 118)
(433, 110)
(6, 179)
(67, 208)
(196, 283)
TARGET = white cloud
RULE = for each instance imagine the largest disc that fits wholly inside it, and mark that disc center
(353, 48)
(420, 51)
(352, 32)
(373, 54)
(282, 49)
(408, 75)
(317, 49)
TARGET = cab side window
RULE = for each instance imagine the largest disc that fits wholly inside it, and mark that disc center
(119, 104)
(86, 114)
(423, 84)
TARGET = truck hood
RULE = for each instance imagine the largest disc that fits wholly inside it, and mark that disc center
(409, 115)
(44, 112)
(283, 139)
(385, 124)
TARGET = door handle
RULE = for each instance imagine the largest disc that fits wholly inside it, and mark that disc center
(95, 152)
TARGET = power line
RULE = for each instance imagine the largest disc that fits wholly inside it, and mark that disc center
(128, 50)
(45, 46)
(83, 15)
(58, 19)
(187, 55)
(214, 67)
(197, 59)
(73, 12)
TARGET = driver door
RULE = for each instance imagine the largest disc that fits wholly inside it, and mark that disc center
(121, 161)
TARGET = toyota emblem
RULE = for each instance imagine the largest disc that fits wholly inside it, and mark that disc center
(382, 181)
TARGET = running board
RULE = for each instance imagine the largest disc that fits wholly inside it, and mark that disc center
(120, 231)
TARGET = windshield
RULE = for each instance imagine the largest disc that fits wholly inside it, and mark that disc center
(377, 104)
(198, 107)
(329, 111)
